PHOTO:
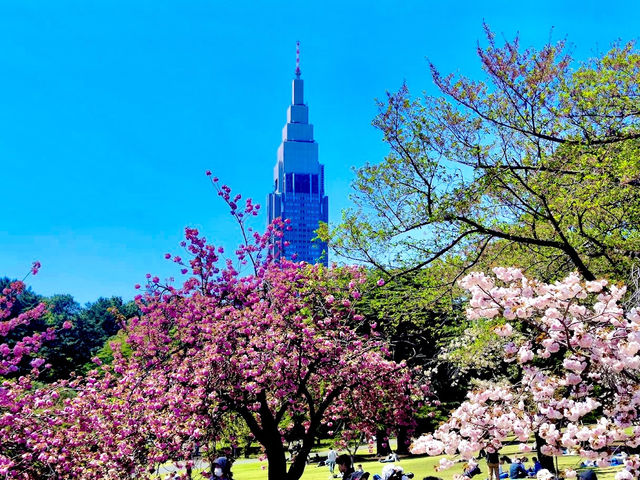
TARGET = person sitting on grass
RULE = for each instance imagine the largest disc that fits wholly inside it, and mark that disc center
(392, 457)
(345, 466)
(535, 469)
(391, 472)
(503, 470)
(587, 474)
(618, 458)
(544, 474)
(471, 469)
(516, 470)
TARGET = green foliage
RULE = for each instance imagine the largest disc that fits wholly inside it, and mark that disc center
(420, 320)
(408, 312)
(105, 353)
(537, 166)
(477, 351)
(73, 349)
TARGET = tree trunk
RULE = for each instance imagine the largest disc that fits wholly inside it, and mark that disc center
(211, 454)
(382, 443)
(276, 458)
(545, 460)
(403, 441)
(298, 466)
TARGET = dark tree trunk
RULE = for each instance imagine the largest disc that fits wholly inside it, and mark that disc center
(382, 443)
(274, 449)
(297, 467)
(211, 455)
(545, 460)
(403, 441)
(266, 432)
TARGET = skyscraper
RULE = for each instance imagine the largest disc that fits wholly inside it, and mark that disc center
(298, 183)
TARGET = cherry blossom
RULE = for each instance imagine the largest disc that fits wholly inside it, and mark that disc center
(578, 353)
(275, 344)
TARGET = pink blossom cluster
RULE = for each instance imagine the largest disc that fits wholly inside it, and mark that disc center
(578, 352)
(10, 357)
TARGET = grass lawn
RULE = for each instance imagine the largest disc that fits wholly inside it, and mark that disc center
(421, 466)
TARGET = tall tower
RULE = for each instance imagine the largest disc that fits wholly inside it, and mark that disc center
(298, 182)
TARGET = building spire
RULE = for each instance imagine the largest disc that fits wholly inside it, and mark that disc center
(298, 59)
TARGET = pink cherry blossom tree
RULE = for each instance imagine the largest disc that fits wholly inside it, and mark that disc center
(279, 347)
(26, 415)
(578, 351)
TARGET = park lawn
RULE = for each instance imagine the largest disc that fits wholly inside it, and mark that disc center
(421, 466)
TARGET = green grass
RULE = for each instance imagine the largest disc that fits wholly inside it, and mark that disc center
(421, 466)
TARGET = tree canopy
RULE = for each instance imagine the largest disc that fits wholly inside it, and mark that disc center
(578, 351)
(281, 349)
(537, 165)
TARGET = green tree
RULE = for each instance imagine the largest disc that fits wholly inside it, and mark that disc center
(72, 348)
(537, 165)
(93, 325)
(426, 326)
(108, 314)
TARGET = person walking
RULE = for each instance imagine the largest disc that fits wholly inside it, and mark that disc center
(331, 460)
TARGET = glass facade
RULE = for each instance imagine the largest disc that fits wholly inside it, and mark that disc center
(298, 180)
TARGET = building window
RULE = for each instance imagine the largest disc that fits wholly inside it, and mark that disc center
(302, 183)
(289, 182)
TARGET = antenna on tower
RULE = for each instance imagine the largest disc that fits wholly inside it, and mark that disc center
(298, 59)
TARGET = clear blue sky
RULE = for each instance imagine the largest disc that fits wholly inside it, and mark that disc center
(111, 111)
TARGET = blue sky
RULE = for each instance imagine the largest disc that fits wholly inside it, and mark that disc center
(111, 111)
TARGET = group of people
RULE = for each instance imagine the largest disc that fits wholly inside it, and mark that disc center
(617, 459)
(517, 468)
(500, 467)
(348, 471)
(503, 467)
